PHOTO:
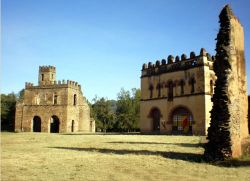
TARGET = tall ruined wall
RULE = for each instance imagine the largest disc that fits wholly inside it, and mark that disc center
(228, 125)
(238, 56)
(237, 89)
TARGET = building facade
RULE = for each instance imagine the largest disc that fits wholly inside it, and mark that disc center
(176, 94)
(53, 106)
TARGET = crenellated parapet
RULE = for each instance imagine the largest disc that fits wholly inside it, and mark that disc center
(28, 85)
(73, 84)
(47, 68)
(178, 63)
(55, 84)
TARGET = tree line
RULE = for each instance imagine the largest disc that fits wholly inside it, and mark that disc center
(8, 109)
(121, 115)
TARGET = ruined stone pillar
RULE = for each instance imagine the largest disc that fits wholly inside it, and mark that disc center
(229, 124)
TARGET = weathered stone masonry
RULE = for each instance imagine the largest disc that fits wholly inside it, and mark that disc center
(53, 106)
(229, 124)
(176, 94)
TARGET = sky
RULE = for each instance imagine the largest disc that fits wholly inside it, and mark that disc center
(102, 44)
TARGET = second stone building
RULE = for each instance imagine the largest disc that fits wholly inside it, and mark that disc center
(53, 106)
(176, 94)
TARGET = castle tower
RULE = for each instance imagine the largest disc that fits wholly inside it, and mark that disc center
(47, 75)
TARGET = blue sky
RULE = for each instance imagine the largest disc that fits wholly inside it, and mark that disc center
(102, 44)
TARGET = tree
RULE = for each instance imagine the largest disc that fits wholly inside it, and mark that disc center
(120, 115)
(102, 111)
(128, 109)
(8, 107)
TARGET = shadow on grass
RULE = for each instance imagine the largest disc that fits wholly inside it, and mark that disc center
(122, 133)
(190, 157)
(158, 143)
(193, 157)
(102, 133)
(233, 163)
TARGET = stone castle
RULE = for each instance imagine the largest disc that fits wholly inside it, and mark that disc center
(53, 106)
(176, 94)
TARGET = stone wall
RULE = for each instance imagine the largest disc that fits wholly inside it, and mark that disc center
(237, 87)
(181, 72)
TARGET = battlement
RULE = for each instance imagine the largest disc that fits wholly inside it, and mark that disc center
(47, 68)
(28, 85)
(55, 84)
(178, 63)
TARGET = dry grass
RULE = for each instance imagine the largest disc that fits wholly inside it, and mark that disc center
(42, 156)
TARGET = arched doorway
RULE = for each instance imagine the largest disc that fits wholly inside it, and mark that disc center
(36, 124)
(155, 114)
(182, 121)
(54, 124)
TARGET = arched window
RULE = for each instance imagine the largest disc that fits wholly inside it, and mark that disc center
(159, 89)
(170, 90)
(182, 121)
(75, 99)
(182, 83)
(55, 99)
(42, 77)
(151, 88)
(192, 82)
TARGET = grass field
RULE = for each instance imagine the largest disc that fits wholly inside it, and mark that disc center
(42, 156)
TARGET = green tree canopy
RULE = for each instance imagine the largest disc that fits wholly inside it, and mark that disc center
(117, 115)
(8, 107)
(103, 114)
(128, 109)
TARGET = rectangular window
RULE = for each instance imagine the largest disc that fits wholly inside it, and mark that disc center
(42, 77)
